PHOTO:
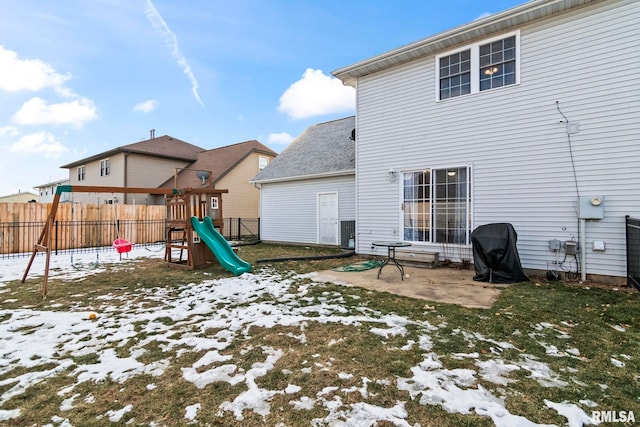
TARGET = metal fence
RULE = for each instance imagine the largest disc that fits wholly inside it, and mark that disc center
(633, 251)
(241, 228)
(17, 239)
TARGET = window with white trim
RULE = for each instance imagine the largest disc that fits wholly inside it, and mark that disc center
(81, 173)
(437, 205)
(482, 66)
(105, 167)
(262, 162)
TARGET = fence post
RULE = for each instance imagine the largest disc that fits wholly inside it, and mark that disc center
(56, 237)
(239, 229)
(258, 228)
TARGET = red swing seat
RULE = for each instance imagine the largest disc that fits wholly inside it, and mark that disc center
(123, 245)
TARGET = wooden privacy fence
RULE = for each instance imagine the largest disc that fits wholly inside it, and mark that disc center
(87, 225)
(79, 225)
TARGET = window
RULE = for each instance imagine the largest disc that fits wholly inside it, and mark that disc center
(81, 173)
(437, 206)
(455, 74)
(105, 167)
(486, 65)
(498, 63)
(262, 162)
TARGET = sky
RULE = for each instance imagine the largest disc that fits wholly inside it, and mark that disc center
(81, 77)
(45, 342)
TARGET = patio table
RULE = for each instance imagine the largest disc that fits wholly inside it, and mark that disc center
(391, 255)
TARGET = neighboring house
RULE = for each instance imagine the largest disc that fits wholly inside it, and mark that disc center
(145, 164)
(309, 189)
(48, 190)
(230, 167)
(530, 116)
(20, 197)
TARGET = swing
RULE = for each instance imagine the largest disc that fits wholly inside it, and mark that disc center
(73, 240)
(121, 245)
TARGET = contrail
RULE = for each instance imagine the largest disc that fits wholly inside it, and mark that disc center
(172, 43)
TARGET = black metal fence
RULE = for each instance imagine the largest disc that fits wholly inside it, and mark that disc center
(241, 228)
(17, 239)
(633, 251)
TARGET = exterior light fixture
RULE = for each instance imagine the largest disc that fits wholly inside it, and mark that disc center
(392, 175)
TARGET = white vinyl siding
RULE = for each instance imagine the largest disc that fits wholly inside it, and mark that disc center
(289, 210)
(514, 139)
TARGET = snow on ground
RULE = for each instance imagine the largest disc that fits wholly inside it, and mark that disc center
(30, 338)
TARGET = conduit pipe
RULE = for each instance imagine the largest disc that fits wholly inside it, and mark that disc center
(583, 249)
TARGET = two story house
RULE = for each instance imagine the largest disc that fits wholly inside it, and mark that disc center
(48, 190)
(145, 164)
(167, 162)
(530, 117)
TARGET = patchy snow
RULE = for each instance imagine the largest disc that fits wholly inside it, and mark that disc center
(115, 416)
(191, 411)
(35, 338)
(575, 415)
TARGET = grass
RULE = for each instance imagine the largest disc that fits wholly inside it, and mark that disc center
(572, 330)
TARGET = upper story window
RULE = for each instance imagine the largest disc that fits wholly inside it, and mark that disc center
(81, 173)
(455, 74)
(105, 167)
(485, 65)
(262, 162)
(498, 63)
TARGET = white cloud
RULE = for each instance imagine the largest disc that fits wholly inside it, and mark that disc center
(29, 74)
(171, 40)
(36, 111)
(40, 142)
(146, 106)
(316, 94)
(9, 131)
(279, 138)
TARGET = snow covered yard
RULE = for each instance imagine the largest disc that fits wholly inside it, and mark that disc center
(278, 348)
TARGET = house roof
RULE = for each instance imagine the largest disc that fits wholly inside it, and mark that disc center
(499, 22)
(163, 146)
(325, 149)
(219, 161)
(23, 196)
(53, 183)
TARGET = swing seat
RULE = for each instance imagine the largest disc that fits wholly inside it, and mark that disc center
(122, 245)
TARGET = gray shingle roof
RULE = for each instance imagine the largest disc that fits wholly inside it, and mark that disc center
(324, 149)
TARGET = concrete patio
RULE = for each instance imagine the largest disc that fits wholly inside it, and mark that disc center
(446, 285)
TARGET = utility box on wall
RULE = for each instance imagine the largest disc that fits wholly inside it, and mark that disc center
(591, 207)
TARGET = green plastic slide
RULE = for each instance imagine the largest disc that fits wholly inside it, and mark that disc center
(219, 246)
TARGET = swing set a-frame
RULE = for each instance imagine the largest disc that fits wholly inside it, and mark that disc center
(181, 206)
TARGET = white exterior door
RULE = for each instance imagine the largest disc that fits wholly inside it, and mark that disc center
(328, 218)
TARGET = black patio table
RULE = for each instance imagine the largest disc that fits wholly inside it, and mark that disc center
(391, 255)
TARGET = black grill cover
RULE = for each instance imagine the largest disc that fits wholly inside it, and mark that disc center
(495, 255)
